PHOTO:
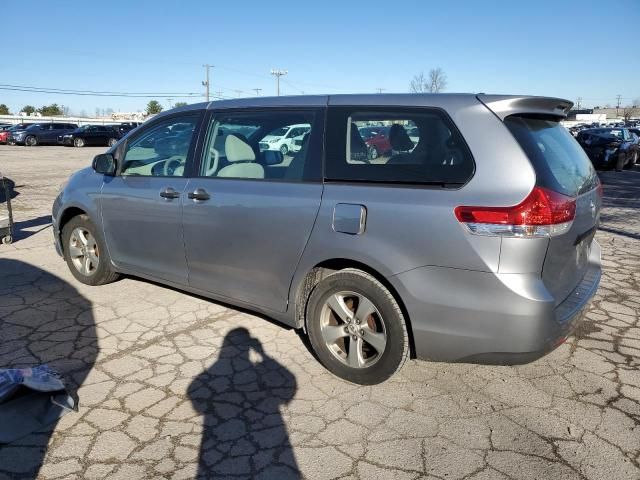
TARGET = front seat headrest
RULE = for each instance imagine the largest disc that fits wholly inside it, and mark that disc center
(237, 150)
(399, 138)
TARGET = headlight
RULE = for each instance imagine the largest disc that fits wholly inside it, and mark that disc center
(274, 140)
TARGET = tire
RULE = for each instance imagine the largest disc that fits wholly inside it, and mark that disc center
(112, 142)
(369, 364)
(31, 141)
(620, 162)
(373, 152)
(7, 240)
(284, 149)
(78, 142)
(632, 161)
(76, 252)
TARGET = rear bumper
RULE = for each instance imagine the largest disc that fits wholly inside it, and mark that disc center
(482, 317)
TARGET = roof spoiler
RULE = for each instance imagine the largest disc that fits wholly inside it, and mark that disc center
(506, 105)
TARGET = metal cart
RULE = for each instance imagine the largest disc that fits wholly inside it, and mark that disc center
(6, 214)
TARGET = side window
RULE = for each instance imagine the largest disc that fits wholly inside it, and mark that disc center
(396, 145)
(161, 150)
(259, 145)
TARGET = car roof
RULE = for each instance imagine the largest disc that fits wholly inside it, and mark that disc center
(501, 105)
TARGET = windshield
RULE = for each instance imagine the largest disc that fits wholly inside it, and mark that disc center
(559, 161)
(279, 132)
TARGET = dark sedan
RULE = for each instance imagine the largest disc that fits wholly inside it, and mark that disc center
(94, 135)
(610, 148)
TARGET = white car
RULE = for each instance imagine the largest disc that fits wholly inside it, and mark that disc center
(282, 139)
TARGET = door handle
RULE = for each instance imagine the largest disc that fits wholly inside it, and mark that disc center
(169, 193)
(199, 194)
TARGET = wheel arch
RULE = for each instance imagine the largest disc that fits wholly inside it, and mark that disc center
(326, 267)
(67, 214)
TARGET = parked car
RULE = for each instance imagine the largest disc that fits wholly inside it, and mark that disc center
(475, 245)
(40, 133)
(4, 133)
(282, 138)
(610, 148)
(90, 135)
(16, 128)
(125, 127)
(377, 140)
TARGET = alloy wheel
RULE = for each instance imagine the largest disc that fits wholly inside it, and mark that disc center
(84, 252)
(353, 329)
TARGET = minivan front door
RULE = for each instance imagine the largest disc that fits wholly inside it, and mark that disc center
(141, 206)
(248, 217)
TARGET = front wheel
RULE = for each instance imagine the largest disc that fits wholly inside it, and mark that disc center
(78, 142)
(284, 149)
(31, 141)
(85, 253)
(356, 327)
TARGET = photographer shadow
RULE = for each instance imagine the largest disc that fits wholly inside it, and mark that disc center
(244, 433)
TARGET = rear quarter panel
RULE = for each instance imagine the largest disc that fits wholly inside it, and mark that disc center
(409, 227)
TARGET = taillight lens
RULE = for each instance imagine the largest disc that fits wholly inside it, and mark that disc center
(600, 189)
(544, 213)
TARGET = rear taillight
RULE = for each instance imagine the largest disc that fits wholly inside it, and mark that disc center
(544, 213)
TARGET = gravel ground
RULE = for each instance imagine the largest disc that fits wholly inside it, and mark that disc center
(172, 385)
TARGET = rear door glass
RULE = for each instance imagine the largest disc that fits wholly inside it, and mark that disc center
(560, 162)
(396, 145)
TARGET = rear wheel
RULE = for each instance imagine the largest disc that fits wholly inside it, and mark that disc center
(112, 142)
(356, 327)
(78, 142)
(31, 141)
(85, 253)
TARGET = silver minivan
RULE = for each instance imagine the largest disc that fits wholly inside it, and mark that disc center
(467, 238)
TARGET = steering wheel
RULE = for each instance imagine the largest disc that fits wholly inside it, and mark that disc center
(213, 168)
(171, 165)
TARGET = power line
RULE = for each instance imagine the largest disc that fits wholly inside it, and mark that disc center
(95, 93)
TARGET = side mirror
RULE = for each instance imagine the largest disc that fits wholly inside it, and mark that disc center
(272, 157)
(105, 164)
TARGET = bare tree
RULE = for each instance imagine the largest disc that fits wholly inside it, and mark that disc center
(436, 82)
(628, 112)
(418, 84)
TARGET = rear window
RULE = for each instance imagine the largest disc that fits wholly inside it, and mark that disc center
(560, 162)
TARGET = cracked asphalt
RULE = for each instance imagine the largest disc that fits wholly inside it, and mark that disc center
(175, 386)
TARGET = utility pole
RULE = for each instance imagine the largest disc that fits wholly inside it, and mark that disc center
(278, 74)
(206, 82)
(578, 103)
(257, 90)
(380, 89)
(618, 97)
(169, 100)
(238, 92)
(219, 94)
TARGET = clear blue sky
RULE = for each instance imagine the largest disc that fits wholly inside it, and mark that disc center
(562, 48)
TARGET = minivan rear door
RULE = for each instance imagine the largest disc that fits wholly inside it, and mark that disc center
(249, 213)
(562, 166)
